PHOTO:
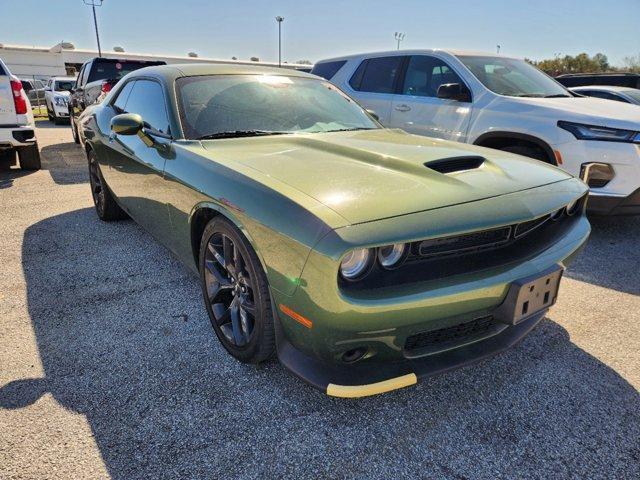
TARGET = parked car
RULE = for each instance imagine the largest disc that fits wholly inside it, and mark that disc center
(17, 133)
(96, 78)
(34, 89)
(57, 94)
(631, 80)
(619, 94)
(503, 103)
(360, 255)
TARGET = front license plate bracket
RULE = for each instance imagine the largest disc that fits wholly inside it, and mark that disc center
(528, 296)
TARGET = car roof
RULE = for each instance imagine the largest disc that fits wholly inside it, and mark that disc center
(448, 51)
(196, 69)
(604, 88)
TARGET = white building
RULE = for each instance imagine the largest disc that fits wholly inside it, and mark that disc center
(64, 59)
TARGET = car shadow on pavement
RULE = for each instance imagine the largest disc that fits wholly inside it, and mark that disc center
(9, 173)
(124, 340)
(611, 258)
(66, 163)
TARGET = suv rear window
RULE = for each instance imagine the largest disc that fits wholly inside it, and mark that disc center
(101, 70)
(377, 75)
(327, 70)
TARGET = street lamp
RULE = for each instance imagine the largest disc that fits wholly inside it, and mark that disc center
(399, 37)
(498, 49)
(279, 19)
(93, 4)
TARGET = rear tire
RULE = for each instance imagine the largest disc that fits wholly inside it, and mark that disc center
(29, 157)
(527, 151)
(106, 206)
(236, 293)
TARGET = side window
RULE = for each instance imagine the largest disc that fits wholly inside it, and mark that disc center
(121, 100)
(82, 78)
(147, 100)
(425, 75)
(378, 75)
(327, 70)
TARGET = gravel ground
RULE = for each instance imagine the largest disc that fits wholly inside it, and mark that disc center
(109, 368)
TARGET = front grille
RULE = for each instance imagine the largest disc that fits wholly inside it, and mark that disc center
(466, 242)
(446, 337)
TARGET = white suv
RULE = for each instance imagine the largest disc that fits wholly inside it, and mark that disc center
(56, 95)
(16, 123)
(504, 103)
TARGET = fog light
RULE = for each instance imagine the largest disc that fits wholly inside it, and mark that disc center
(354, 354)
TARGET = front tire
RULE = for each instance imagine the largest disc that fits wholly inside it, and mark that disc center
(236, 293)
(29, 157)
(106, 206)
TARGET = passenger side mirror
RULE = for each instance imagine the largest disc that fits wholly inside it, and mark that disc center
(127, 124)
(454, 91)
(374, 115)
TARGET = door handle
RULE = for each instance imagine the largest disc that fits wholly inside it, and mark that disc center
(403, 108)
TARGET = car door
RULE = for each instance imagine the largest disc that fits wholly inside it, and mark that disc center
(417, 109)
(136, 167)
(374, 83)
(75, 100)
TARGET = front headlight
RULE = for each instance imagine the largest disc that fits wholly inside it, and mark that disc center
(60, 101)
(356, 263)
(601, 134)
(391, 256)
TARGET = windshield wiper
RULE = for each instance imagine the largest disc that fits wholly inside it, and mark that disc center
(347, 129)
(240, 133)
(558, 95)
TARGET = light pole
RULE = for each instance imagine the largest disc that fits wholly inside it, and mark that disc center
(279, 19)
(93, 4)
(498, 49)
(399, 37)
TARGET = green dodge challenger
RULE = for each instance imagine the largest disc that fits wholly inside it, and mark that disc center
(365, 258)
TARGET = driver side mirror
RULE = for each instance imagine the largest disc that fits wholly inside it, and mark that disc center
(454, 91)
(127, 124)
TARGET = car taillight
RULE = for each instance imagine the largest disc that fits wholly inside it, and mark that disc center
(19, 99)
(106, 87)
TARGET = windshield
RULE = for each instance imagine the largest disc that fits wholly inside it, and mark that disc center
(515, 78)
(216, 104)
(634, 94)
(64, 85)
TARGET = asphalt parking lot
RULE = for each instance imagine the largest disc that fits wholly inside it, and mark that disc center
(109, 368)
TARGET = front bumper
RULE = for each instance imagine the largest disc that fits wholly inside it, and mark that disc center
(60, 111)
(614, 205)
(364, 379)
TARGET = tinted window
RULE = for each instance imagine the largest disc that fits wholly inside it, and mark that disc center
(63, 85)
(146, 99)
(605, 95)
(26, 85)
(425, 75)
(82, 78)
(114, 70)
(328, 69)
(379, 75)
(123, 95)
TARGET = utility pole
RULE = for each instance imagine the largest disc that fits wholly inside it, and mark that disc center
(279, 19)
(93, 4)
(399, 37)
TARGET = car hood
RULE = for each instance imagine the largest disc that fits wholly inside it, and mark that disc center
(594, 111)
(375, 174)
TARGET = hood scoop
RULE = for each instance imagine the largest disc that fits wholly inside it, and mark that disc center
(455, 164)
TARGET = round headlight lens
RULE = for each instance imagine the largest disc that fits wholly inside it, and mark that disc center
(355, 263)
(390, 256)
(571, 207)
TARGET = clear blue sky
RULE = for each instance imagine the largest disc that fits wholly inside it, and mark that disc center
(315, 30)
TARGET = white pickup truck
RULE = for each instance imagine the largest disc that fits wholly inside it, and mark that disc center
(17, 132)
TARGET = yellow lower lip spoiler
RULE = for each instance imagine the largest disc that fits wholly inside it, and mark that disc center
(357, 391)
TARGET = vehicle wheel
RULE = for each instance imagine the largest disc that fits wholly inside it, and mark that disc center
(29, 157)
(236, 293)
(527, 151)
(105, 204)
(74, 130)
(8, 157)
(49, 115)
